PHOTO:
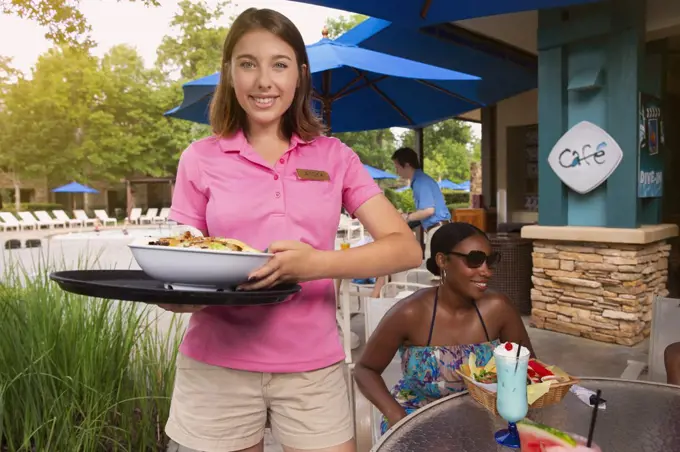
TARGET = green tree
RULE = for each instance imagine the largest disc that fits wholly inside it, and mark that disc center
(196, 50)
(449, 149)
(193, 52)
(45, 114)
(79, 118)
(337, 26)
(64, 21)
(374, 147)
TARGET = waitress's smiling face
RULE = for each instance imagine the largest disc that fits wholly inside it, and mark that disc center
(265, 75)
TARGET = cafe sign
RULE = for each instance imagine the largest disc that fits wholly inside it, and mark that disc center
(585, 157)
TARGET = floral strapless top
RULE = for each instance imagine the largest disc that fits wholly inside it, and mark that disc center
(429, 373)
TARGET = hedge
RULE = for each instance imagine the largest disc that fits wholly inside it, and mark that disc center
(456, 197)
(401, 200)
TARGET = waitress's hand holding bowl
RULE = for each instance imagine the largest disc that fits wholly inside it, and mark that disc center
(293, 262)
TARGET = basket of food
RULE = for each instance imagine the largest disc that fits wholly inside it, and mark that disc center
(546, 384)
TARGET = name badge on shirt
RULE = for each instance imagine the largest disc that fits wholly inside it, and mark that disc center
(305, 174)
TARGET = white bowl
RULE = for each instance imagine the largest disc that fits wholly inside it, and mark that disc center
(196, 267)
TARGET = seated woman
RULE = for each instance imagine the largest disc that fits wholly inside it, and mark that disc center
(436, 329)
(672, 361)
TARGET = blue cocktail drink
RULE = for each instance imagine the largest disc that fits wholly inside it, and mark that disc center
(511, 399)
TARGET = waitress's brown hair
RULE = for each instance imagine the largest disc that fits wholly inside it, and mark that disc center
(227, 116)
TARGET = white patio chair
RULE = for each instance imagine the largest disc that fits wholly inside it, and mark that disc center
(28, 218)
(665, 331)
(162, 216)
(104, 217)
(420, 276)
(367, 417)
(400, 289)
(45, 217)
(349, 226)
(9, 221)
(135, 215)
(63, 216)
(150, 215)
(81, 215)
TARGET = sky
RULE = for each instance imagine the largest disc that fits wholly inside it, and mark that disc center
(122, 22)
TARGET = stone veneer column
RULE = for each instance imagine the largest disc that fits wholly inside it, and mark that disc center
(599, 291)
(586, 286)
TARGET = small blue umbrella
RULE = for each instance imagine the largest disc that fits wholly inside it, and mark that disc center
(401, 189)
(358, 89)
(74, 187)
(419, 13)
(379, 174)
(448, 185)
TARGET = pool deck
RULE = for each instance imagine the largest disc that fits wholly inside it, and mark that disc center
(576, 355)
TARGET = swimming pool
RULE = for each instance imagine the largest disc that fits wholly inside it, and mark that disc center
(119, 233)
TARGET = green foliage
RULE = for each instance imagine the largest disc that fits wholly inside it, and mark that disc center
(374, 147)
(456, 197)
(401, 200)
(79, 374)
(338, 26)
(81, 118)
(449, 149)
(196, 51)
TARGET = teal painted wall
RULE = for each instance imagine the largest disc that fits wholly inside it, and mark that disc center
(589, 105)
(606, 36)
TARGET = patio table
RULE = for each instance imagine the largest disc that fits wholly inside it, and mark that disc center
(640, 417)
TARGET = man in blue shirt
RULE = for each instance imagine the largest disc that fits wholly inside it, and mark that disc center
(431, 210)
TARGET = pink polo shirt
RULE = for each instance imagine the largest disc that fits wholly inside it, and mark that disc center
(224, 186)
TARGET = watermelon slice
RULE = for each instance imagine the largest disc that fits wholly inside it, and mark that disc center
(536, 437)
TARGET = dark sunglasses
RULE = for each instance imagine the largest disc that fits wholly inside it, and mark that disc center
(475, 259)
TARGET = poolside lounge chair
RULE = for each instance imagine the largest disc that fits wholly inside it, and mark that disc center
(104, 217)
(62, 216)
(81, 215)
(30, 219)
(150, 215)
(9, 221)
(45, 218)
(135, 215)
(163, 216)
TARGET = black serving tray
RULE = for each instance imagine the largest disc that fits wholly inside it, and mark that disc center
(135, 285)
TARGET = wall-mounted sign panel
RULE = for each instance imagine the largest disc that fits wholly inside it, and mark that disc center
(585, 157)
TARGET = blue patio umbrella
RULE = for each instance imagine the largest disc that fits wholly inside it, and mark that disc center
(448, 185)
(74, 187)
(503, 73)
(358, 89)
(419, 13)
(379, 174)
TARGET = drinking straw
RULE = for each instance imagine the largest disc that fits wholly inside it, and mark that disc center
(594, 418)
(519, 349)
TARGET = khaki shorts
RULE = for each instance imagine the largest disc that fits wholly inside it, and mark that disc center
(215, 409)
